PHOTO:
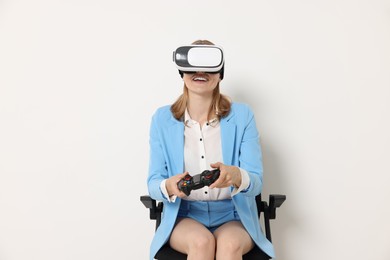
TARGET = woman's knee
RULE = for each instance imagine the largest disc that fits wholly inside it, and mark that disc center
(205, 242)
(233, 245)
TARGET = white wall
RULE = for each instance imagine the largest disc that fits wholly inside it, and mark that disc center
(79, 81)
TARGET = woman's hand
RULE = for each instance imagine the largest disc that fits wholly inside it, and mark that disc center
(171, 185)
(229, 175)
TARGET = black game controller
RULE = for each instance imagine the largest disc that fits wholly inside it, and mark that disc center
(189, 183)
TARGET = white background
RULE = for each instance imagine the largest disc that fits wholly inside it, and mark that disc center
(80, 80)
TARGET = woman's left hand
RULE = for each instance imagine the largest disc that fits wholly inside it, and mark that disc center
(229, 175)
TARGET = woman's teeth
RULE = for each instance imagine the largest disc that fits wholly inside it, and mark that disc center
(200, 79)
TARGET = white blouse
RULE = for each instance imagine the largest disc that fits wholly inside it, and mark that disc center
(202, 146)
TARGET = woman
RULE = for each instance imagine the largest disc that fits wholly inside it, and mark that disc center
(203, 130)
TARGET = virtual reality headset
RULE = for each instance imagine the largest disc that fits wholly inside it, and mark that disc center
(199, 58)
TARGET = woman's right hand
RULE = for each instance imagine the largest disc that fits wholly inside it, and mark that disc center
(171, 185)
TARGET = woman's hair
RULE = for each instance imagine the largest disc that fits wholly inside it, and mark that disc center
(220, 104)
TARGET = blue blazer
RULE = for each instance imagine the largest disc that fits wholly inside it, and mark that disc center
(240, 147)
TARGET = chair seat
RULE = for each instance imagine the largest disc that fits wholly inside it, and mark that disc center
(167, 253)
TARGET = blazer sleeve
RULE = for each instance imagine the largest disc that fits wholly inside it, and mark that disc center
(157, 164)
(250, 155)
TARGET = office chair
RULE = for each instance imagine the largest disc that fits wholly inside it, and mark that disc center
(269, 211)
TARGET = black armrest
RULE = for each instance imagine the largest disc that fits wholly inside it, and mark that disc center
(155, 209)
(275, 201)
(148, 201)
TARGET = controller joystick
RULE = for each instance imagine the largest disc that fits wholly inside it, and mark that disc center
(189, 183)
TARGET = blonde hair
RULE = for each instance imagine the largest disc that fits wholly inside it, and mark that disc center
(220, 104)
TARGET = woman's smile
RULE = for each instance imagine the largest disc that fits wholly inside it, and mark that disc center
(200, 78)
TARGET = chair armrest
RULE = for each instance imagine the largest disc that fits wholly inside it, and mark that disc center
(151, 205)
(148, 201)
(275, 201)
(155, 209)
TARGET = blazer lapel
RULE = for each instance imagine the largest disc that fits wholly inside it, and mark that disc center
(228, 136)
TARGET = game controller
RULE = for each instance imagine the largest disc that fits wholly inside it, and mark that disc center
(189, 183)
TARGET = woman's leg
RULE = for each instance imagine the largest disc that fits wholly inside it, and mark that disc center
(194, 239)
(233, 241)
